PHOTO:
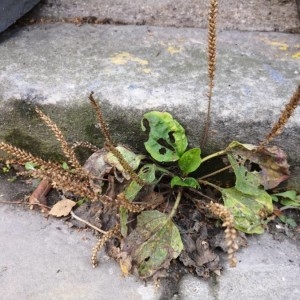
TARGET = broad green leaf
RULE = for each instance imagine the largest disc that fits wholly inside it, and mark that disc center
(249, 211)
(187, 182)
(147, 173)
(132, 159)
(167, 140)
(190, 161)
(246, 182)
(271, 160)
(153, 244)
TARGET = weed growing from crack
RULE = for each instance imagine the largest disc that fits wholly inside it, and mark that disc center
(154, 239)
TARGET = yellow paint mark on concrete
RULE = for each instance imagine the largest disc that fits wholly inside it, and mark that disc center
(147, 70)
(174, 49)
(296, 55)
(281, 46)
(292, 50)
(125, 57)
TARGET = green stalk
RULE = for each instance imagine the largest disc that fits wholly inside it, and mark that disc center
(163, 170)
(219, 153)
(177, 201)
(216, 172)
(210, 184)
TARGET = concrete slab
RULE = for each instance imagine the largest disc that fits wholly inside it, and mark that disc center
(254, 15)
(44, 259)
(137, 69)
(267, 269)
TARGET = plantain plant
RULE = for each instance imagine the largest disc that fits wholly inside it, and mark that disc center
(144, 208)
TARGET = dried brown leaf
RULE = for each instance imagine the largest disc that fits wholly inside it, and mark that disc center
(62, 208)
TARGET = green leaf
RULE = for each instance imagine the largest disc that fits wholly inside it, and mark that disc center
(249, 203)
(246, 182)
(186, 182)
(132, 159)
(190, 161)
(123, 212)
(294, 203)
(147, 173)
(65, 166)
(81, 201)
(249, 211)
(289, 221)
(288, 198)
(6, 168)
(153, 244)
(29, 166)
(167, 140)
(291, 195)
(12, 179)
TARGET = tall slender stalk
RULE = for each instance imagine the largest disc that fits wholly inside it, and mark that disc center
(284, 117)
(212, 42)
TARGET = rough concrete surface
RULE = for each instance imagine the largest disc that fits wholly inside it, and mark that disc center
(254, 15)
(44, 259)
(136, 69)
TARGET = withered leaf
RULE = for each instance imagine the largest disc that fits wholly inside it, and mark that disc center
(272, 161)
(62, 208)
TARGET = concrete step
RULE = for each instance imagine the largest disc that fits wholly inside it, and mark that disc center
(134, 69)
(254, 15)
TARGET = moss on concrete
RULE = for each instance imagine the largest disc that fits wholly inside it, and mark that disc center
(22, 127)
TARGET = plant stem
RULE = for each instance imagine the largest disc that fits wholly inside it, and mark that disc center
(163, 170)
(173, 211)
(214, 173)
(219, 153)
(210, 184)
(87, 223)
(288, 207)
(212, 37)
